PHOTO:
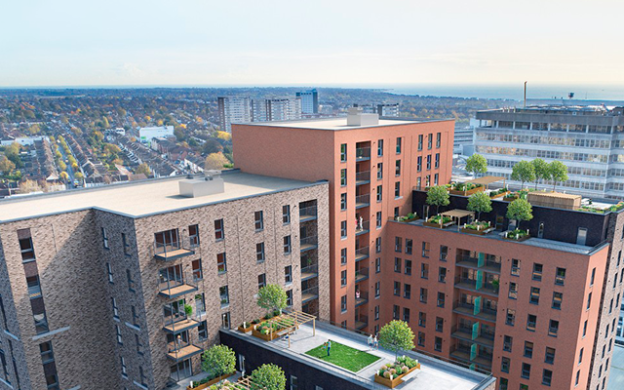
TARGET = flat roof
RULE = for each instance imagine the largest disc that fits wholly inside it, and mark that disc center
(336, 123)
(143, 198)
(485, 180)
(434, 374)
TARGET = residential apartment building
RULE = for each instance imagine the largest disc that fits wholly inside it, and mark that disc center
(123, 287)
(371, 165)
(391, 110)
(309, 101)
(233, 110)
(276, 109)
(537, 314)
(588, 139)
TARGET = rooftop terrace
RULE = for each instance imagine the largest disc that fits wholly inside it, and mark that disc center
(434, 374)
(143, 198)
(335, 124)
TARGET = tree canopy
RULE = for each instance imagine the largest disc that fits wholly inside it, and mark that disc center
(438, 196)
(143, 168)
(558, 172)
(215, 161)
(540, 168)
(272, 298)
(219, 360)
(480, 202)
(520, 210)
(268, 377)
(523, 171)
(395, 336)
(476, 164)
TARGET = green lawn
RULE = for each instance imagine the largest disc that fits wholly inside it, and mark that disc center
(343, 356)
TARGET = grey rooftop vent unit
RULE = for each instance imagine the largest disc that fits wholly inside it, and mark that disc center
(209, 184)
(356, 117)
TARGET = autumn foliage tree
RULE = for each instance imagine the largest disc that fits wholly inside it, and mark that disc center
(215, 161)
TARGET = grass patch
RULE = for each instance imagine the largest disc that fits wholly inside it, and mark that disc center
(346, 357)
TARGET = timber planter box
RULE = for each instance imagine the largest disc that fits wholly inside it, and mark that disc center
(519, 239)
(481, 232)
(501, 195)
(248, 329)
(467, 192)
(437, 225)
(395, 381)
(266, 337)
(510, 198)
(210, 382)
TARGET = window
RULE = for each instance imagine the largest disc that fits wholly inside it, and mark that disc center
(218, 225)
(135, 317)
(343, 303)
(546, 377)
(438, 344)
(378, 220)
(289, 298)
(126, 245)
(115, 308)
(593, 277)
(196, 267)
(397, 289)
(421, 339)
(377, 289)
(221, 263)
(535, 294)
(224, 295)
(408, 246)
(378, 245)
(142, 376)
(397, 189)
(513, 290)
(423, 295)
(343, 278)
(428, 162)
(376, 312)
(377, 265)
(429, 141)
(343, 229)
(202, 331)
(438, 140)
(286, 214)
(419, 164)
(420, 142)
(398, 244)
(504, 384)
(139, 345)
(560, 276)
(294, 383)
(422, 319)
(526, 370)
(130, 281)
(424, 271)
(406, 314)
(537, 272)
(261, 281)
(398, 145)
(557, 298)
(397, 168)
(259, 220)
(515, 267)
(528, 349)
(260, 252)
(439, 325)
(34, 288)
(395, 312)
(578, 376)
(408, 267)
(437, 161)
(380, 147)
(443, 252)
(397, 265)
(118, 333)
(407, 291)
(553, 328)
(287, 245)
(288, 274)
(379, 171)
(200, 303)
(442, 275)
(104, 241)
(550, 356)
(379, 193)
(441, 299)
(585, 328)
(507, 343)
(343, 202)
(425, 249)
(343, 256)
(589, 301)
(580, 359)
(505, 362)
(193, 236)
(343, 177)
(343, 152)
(510, 319)
(435, 179)
(531, 322)
(109, 270)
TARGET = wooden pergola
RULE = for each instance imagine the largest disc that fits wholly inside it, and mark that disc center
(487, 180)
(290, 322)
(458, 214)
(243, 384)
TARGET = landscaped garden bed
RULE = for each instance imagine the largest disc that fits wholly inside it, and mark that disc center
(272, 328)
(516, 235)
(478, 227)
(503, 192)
(407, 218)
(439, 221)
(466, 189)
(391, 374)
(207, 382)
(343, 356)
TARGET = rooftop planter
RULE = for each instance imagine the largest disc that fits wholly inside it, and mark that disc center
(438, 221)
(407, 218)
(207, 382)
(247, 327)
(499, 194)
(465, 189)
(517, 235)
(269, 330)
(479, 228)
(391, 374)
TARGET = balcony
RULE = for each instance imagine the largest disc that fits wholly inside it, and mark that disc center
(307, 214)
(361, 322)
(309, 272)
(474, 285)
(361, 298)
(481, 359)
(308, 243)
(361, 274)
(474, 311)
(362, 227)
(362, 153)
(362, 178)
(361, 253)
(478, 263)
(172, 250)
(309, 294)
(482, 338)
(176, 286)
(180, 350)
(176, 321)
(362, 201)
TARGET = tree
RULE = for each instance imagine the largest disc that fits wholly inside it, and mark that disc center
(28, 186)
(480, 202)
(523, 171)
(79, 176)
(179, 134)
(6, 165)
(272, 298)
(64, 176)
(541, 170)
(215, 161)
(268, 377)
(111, 149)
(62, 166)
(476, 164)
(520, 210)
(143, 168)
(558, 172)
(34, 129)
(219, 360)
(395, 336)
(225, 136)
(438, 196)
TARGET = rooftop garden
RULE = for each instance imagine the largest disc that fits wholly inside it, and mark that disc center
(343, 356)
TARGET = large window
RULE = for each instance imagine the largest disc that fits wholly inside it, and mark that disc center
(258, 220)
(219, 232)
(221, 263)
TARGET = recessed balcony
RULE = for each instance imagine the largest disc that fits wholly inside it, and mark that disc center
(362, 227)
(361, 322)
(361, 298)
(361, 274)
(474, 311)
(363, 153)
(309, 295)
(308, 243)
(309, 213)
(362, 178)
(361, 253)
(309, 272)
(362, 201)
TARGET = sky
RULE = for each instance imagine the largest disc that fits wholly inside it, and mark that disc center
(294, 42)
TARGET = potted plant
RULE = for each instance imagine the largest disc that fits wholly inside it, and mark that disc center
(188, 310)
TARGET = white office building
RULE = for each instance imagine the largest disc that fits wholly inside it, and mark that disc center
(280, 109)
(309, 101)
(233, 110)
(147, 133)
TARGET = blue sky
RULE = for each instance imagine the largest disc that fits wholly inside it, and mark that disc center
(233, 42)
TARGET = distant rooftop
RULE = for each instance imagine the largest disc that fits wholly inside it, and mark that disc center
(563, 109)
(137, 199)
(335, 124)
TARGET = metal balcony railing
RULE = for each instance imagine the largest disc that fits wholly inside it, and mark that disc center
(362, 227)
(362, 177)
(361, 253)
(309, 294)
(177, 285)
(361, 274)
(361, 297)
(307, 213)
(173, 249)
(362, 153)
(362, 200)
(361, 321)
(309, 271)
(307, 243)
